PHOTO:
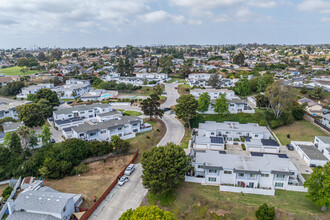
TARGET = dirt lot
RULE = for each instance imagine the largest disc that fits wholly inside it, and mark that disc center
(94, 182)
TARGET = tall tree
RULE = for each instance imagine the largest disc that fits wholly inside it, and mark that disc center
(150, 106)
(45, 134)
(214, 81)
(13, 142)
(158, 89)
(186, 108)
(316, 93)
(164, 168)
(31, 114)
(120, 66)
(33, 139)
(319, 186)
(243, 87)
(280, 98)
(56, 54)
(261, 100)
(203, 102)
(147, 212)
(49, 95)
(41, 56)
(185, 70)
(221, 105)
(46, 108)
(24, 133)
(239, 58)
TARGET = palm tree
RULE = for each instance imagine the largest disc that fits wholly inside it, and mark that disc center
(24, 133)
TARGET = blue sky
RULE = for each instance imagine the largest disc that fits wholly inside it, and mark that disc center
(78, 23)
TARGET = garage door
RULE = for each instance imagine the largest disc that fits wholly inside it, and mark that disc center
(255, 149)
(201, 146)
(306, 159)
(271, 150)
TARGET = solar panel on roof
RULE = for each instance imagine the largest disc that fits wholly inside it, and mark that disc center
(222, 152)
(269, 142)
(218, 140)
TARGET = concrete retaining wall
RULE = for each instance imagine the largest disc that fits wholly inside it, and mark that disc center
(267, 192)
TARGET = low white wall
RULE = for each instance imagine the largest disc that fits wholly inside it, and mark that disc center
(120, 103)
(194, 179)
(145, 129)
(128, 136)
(267, 192)
(296, 188)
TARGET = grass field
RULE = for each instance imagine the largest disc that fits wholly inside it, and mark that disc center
(182, 89)
(299, 131)
(177, 78)
(145, 141)
(17, 71)
(187, 136)
(132, 113)
(144, 91)
(196, 201)
(94, 182)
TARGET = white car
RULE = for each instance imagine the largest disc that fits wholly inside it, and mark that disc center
(122, 180)
(129, 170)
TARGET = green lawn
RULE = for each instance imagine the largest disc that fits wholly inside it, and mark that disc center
(176, 78)
(17, 71)
(187, 136)
(144, 91)
(299, 131)
(132, 113)
(196, 201)
(182, 89)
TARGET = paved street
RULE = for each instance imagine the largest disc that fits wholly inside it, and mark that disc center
(122, 198)
(132, 193)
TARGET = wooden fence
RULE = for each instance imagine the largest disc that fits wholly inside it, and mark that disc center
(90, 211)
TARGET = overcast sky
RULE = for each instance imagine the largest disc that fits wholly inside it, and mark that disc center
(97, 23)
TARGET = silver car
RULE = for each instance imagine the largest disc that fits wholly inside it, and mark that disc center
(129, 170)
(122, 180)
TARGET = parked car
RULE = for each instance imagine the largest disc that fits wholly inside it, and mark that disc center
(52, 141)
(129, 170)
(122, 180)
(290, 147)
(166, 109)
(69, 102)
(175, 87)
(164, 93)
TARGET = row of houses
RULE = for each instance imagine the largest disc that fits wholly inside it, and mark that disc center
(259, 170)
(97, 122)
(202, 80)
(139, 79)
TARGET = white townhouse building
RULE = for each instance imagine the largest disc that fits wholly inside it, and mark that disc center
(212, 135)
(41, 202)
(326, 120)
(258, 174)
(9, 109)
(138, 80)
(73, 88)
(323, 144)
(199, 79)
(125, 127)
(235, 104)
(25, 91)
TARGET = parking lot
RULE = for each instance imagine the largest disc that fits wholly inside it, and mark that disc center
(122, 198)
(296, 160)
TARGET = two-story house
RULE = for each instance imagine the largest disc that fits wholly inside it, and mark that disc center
(212, 135)
(25, 91)
(73, 88)
(266, 171)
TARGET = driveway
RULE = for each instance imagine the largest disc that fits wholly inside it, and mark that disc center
(297, 160)
(122, 198)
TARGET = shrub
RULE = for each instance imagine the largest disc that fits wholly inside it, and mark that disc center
(236, 139)
(242, 139)
(243, 147)
(265, 213)
(7, 192)
(81, 168)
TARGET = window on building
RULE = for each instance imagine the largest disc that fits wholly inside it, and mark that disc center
(227, 172)
(119, 129)
(256, 135)
(252, 175)
(212, 179)
(135, 124)
(241, 174)
(103, 131)
(90, 110)
(264, 175)
(82, 112)
(81, 135)
(212, 171)
(200, 166)
(135, 130)
(212, 133)
(278, 184)
(281, 176)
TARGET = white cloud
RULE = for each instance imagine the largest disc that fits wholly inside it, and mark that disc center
(263, 3)
(316, 6)
(163, 16)
(325, 19)
(205, 4)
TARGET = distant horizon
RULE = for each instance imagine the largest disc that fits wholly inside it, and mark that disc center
(95, 23)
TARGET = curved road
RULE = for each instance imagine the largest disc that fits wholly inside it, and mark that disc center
(132, 193)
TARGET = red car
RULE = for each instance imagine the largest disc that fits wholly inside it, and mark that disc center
(175, 87)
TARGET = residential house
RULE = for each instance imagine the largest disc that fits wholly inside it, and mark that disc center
(312, 107)
(311, 152)
(4, 80)
(323, 144)
(212, 135)
(8, 108)
(34, 89)
(326, 120)
(73, 88)
(41, 202)
(199, 79)
(258, 173)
